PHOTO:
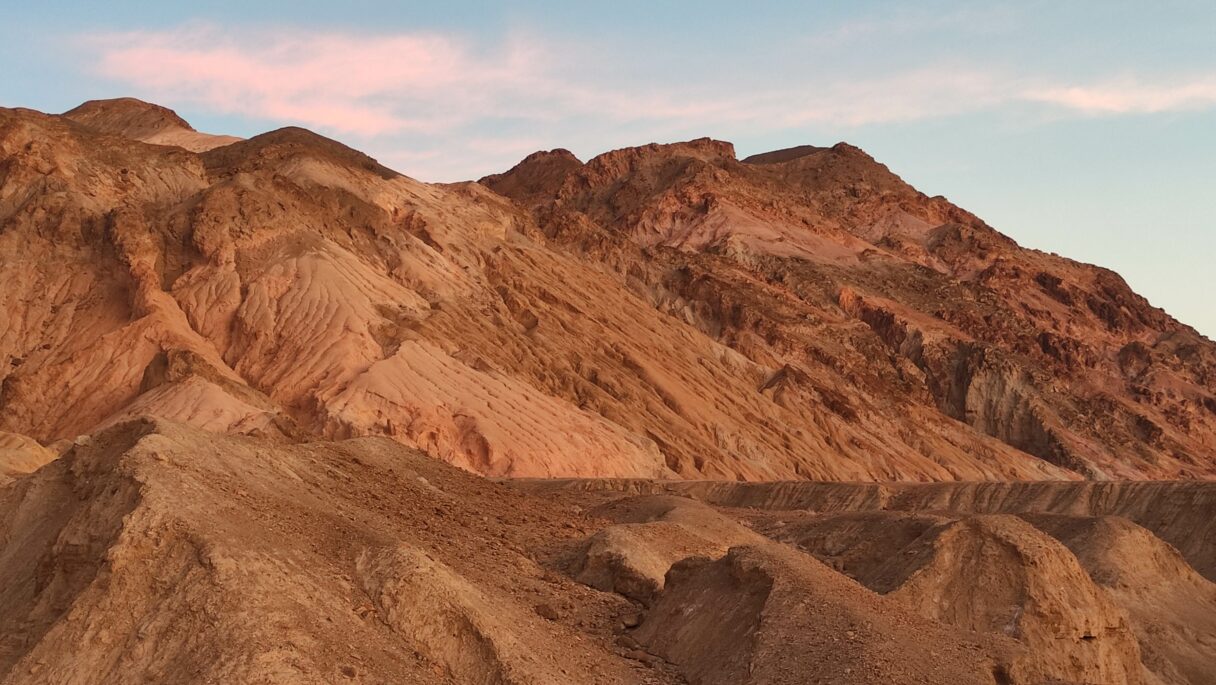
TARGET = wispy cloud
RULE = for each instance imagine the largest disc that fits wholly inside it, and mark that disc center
(384, 84)
(1132, 96)
(425, 91)
(915, 20)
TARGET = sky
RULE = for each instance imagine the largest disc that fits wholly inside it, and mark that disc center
(1082, 128)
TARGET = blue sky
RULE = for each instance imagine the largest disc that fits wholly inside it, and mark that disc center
(1084, 128)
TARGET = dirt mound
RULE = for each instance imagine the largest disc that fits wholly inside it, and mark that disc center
(1171, 607)
(736, 620)
(20, 455)
(632, 557)
(1180, 513)
(999, 575)
(157, 552)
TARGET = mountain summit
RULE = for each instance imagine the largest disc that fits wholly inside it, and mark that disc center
(144, 121)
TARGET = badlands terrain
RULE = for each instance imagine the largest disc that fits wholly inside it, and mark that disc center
(271, 412)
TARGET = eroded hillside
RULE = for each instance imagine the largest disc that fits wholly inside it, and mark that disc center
(157, 552)
(661, 311)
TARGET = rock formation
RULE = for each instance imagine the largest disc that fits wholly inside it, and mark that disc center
(867, 295)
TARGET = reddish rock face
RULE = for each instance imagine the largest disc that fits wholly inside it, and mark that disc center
(824, 260)
(661, 311)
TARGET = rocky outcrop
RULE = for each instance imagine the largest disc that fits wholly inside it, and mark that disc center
(997, 574)
(633, 556)
(734, 620)
(1043, 354)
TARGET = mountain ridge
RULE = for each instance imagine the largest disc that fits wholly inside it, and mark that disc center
(272, 412)
(805, 314)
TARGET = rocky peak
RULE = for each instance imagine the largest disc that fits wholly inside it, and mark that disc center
(556, 156)
(285, 143)
(144, 121)
(127, 116)
(705, 149)
(537, 177)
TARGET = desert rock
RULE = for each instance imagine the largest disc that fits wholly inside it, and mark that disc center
(660, 311)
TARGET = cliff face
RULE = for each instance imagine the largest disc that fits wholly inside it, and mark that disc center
(662, 311)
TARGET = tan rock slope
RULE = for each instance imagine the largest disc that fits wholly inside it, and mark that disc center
(157, 552)
(662, 311)
(20, 455)
(153, 552)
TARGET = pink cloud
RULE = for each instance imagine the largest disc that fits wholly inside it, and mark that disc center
(427, 83)
(333, 80)
(1132, 96)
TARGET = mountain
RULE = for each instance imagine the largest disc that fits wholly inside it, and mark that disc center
(660, 311)
(248, 389)
(823, 261)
